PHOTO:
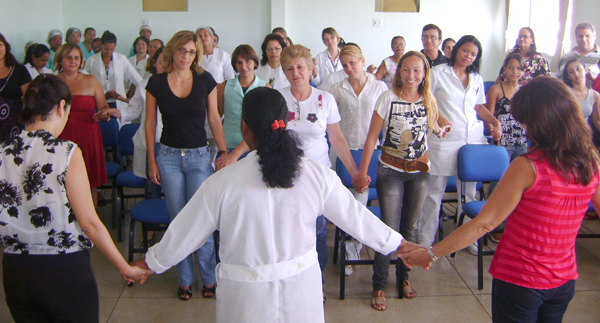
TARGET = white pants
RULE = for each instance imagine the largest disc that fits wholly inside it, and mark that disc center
(428, 225)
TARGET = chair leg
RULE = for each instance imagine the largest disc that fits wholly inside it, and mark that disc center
(216, 239)
(131, 238)
(336, 243)
(480, 263)
(114, 204)
(342, 266)
(119, 211)
(399, 278)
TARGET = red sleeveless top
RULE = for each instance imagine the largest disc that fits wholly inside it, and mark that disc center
(537, 249)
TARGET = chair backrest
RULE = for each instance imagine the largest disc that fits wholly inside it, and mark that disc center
(110, 132)
(487, 85)
(126, 138)
(481, 163)
(342, 172)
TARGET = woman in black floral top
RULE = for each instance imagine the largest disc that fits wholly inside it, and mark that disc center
(535, 64)
(47, 219)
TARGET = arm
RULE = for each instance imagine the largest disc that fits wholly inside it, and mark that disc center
(101, 105)
(362, 180)
(80, 198)
(221, 98)
(214, 120)
(150, 126)
(518, 178)
(492, 98)
(596, 110)
(340, 146)
(486, 116)
(234, 155)
(381, 70)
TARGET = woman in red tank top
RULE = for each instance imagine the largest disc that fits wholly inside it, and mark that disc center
(543, 196)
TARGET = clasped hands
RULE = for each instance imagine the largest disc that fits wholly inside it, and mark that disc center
(414, 254)
(138, 270)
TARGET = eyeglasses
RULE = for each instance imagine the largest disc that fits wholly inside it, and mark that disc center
(398, 45)
(183, 51)
(274, 49)
(434, 38)
(524, 37)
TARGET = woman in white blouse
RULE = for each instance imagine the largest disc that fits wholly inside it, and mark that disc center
(328, 61)
(459, 92)
(355, 96)
(140, 49)
(387, 69)
(36, 59)
(215, 61)
(269, 68)
(313, 113)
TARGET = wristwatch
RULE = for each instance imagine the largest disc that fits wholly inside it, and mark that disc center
(431, 254)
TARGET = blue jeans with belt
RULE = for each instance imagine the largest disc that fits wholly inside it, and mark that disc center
(182, 171)
(401, 196)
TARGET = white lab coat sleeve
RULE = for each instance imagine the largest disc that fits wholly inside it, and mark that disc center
(136, 105)
(131, 73)
(87, 67)
(228, 71)
(355, 219)
(186, 233)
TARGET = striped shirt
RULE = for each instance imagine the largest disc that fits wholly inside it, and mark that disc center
(537, 249)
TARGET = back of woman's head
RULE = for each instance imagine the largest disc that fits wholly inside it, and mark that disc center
(555, 126)
(265, 112)
(474, 67)
(44, 93)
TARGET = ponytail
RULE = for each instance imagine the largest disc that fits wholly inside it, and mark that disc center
(44, 93)
(265, 112)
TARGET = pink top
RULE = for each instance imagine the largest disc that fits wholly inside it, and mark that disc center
(537, 249)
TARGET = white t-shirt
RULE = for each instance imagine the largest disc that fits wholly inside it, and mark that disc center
(309, 119)
(356, 111)
(274, 76)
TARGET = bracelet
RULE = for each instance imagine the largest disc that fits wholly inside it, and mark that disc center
(431, 254)
(222, 152)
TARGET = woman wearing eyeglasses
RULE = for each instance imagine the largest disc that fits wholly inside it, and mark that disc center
(270, 66)
(535, 64)
(186, 95)
(387, 69)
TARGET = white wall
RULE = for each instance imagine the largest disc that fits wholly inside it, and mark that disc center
(235, 21)
(353, 19)
(585, 11)
(25, 20)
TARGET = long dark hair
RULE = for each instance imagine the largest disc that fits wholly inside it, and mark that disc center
(9, 58)
(589, 79)
(278, 149)
(556, 128)
(474, 67)
(44, 93)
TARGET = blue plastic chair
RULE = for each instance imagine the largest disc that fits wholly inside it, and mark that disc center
(452, 188)
(479, 163)
(126, 178)
(110, 138)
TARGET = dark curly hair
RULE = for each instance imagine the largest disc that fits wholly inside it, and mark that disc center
(44, 93)
(278, 150)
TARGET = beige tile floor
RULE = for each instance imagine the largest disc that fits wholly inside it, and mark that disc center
(446, 293)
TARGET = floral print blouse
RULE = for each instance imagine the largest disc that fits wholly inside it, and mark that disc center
(536, 65)
(35, 213)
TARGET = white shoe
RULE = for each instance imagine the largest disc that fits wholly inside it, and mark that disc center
(472, 248)
(348, 270)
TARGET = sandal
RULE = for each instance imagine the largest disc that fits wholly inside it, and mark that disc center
(209, 292)
(184, 294)
(378, 301)
(408, 289)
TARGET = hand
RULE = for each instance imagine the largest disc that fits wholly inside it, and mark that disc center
(225, 160)
(371, 69)
(418, 257)
(496, 131)
(443, 122)
(361, 182)
(154, 173)
(111, 94)
(141, 265)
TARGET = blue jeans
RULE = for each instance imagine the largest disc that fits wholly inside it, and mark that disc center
(513, 152)
(512, 303)
(182, 171)
(401, 196)
(322, 241)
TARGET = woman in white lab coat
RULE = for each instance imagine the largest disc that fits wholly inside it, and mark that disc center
(265, 207)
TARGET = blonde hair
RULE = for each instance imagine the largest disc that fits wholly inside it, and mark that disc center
(352, 51)
(177, 41)
(65, 50)
(428, 98)
(332, 32)
(295, 51)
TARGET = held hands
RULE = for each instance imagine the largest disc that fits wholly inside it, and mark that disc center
(112, 94)
(140, 269)
(496, 131)
(224, 160)
(105, 114)
(443, 123)
(361, 182)
(406, 249)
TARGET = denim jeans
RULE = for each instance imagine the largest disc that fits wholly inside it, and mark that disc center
(182, 171)
(512, 303)
(322, 241)
(513, 152)
(401, 197)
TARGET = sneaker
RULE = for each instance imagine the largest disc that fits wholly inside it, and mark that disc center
(348, 270)
(472, 248)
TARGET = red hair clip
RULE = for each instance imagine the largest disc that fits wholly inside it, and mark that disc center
(277, 124)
